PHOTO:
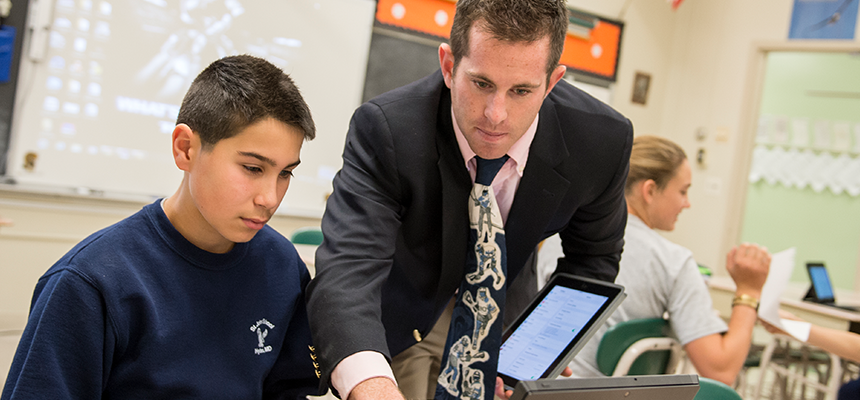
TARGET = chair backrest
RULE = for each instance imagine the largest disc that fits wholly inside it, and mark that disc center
(710, 389)
(646, 341)
(307, 235)
(788, 363)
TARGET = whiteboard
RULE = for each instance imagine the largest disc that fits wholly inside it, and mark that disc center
(98, 96)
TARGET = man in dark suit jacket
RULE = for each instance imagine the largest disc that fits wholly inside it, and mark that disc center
(396, 224)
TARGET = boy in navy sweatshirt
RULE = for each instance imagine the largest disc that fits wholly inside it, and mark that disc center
(194, 296)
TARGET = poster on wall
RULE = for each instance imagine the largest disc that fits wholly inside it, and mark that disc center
(823, 19)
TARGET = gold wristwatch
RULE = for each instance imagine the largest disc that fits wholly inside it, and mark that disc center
(746, 300)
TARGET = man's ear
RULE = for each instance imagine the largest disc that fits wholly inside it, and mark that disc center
(554, 77)
(446, 62)
(183, 146)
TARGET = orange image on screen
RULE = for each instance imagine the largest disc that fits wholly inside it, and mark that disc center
(597, 55)
(428, 16)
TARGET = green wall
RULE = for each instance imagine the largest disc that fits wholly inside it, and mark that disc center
(822, 226)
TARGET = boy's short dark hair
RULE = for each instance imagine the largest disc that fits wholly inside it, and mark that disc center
(511, 20)
(237, 91)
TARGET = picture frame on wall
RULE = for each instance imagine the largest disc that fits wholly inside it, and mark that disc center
(641, 84)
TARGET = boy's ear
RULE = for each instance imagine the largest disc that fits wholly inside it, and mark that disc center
(183, 152)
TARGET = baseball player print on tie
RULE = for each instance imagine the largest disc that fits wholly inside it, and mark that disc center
(469, 366)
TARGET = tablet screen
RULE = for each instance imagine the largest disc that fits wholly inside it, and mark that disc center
(558, 322)
(546, 332)
(820, 281)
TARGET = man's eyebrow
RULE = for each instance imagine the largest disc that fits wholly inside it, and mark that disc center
(520, 85)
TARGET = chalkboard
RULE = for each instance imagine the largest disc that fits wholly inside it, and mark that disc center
(98, 94)
(16, 19)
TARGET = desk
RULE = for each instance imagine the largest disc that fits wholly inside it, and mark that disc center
(11, 326)
(722, 290)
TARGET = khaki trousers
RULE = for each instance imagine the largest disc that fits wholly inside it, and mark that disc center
(417, 368)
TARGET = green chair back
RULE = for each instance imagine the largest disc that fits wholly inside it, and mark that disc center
(710, 389)
(618, 338)
(307, 235)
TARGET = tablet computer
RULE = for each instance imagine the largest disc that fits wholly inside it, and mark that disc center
(822, 291)
(560, 320)
(643, 387)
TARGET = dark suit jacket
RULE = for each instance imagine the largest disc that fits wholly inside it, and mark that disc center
(396, 224)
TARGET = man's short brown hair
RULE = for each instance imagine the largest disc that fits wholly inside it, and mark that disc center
(511, 20)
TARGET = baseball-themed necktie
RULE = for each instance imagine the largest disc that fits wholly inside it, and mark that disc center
(471, 354)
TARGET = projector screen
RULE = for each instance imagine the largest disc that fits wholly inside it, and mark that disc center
(99, 91)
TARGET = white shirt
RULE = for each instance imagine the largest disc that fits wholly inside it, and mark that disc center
(658, 276)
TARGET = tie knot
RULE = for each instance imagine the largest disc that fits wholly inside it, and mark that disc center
(487, 169)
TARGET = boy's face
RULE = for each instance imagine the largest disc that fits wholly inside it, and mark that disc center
(237, 184)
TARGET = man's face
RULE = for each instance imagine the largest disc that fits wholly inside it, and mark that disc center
(497, 89)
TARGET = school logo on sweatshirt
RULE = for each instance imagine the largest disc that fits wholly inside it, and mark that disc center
(261, 328)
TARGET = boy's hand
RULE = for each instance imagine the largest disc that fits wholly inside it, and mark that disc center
(506, 394)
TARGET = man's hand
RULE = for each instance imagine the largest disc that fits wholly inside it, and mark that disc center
(506, 394)
(376, 388)
(748, 265)
(500, 390)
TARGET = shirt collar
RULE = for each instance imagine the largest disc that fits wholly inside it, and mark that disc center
(519, 152)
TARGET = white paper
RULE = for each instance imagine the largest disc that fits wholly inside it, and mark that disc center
(822, 134)
(841, 136)
(857, 137)
(762, 135)
(780, 130)
(797, 329)
(800, 132)
(781, 267)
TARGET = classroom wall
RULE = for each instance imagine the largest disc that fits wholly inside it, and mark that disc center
(698, 57)
(646, 45)
(712, 44)
(821, 225)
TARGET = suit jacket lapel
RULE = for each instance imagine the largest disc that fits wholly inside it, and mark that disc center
(539, 193)
(456, 185)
